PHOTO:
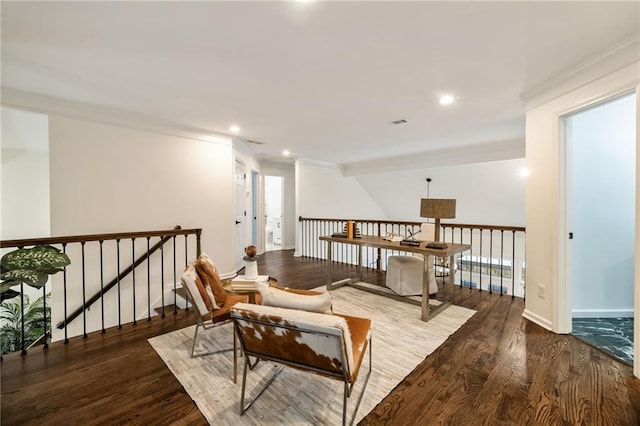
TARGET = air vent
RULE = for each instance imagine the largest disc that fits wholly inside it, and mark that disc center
(396, 122)
(255, 142)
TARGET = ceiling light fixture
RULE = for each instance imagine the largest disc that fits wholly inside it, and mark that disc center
(446, 99)
(234, 129)
(286, 153)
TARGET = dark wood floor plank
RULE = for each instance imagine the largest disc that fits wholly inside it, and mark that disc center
(498, 369)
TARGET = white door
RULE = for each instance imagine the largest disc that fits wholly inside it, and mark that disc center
(240, 213)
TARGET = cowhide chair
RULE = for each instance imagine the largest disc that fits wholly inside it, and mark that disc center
(331, 345)
(204, 288)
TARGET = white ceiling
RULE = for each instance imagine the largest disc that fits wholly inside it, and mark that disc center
(322, 79)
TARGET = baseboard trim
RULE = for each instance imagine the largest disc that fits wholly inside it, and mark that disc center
(542, 322)
(602, 313)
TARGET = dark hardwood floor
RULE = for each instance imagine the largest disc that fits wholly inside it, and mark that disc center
(498, 369)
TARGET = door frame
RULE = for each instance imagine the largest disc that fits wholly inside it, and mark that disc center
(563, 314)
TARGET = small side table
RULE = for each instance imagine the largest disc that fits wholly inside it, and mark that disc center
(226, 286)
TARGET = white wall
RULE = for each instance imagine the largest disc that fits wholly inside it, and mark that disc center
(545, 213)
(290, 219)
(112, 179)
(322, 191)
(487, 193)
(25, 175)
(602, 141)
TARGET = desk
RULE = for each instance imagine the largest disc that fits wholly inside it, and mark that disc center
(428, 311)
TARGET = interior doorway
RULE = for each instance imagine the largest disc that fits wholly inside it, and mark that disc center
(601, 176)
(273, 212)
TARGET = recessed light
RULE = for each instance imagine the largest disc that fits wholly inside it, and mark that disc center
(234, 129)
(286, 153)
(446, 99)
(524, 172)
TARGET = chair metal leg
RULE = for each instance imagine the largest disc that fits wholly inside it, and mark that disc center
(364, 388)
(247, 365)
(235, 355)
(195, 335)
(344, 403)
(244, 384)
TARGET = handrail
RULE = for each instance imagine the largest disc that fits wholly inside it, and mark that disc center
(96, 237)
(388, 222)
(485, 227)
(90, 301)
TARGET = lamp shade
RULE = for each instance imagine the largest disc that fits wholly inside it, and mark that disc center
(440, 208)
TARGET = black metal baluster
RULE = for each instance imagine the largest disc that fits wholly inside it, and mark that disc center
(44, 314)
(175, 279)
(513, 263)
(24, 350)
(162, 276)
(470, 258)
(501, 258)
(133, 277)
(148, 281)
(118, 278)
(64, 287)
(102, 286)
(480, 257)
(84, 291)
(186, 262)
(490, 261)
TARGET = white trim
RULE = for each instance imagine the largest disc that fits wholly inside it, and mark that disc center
(495, 151)
(612, 59)
(127, 119)
(315, 163)
(542, 322)
(602, 313)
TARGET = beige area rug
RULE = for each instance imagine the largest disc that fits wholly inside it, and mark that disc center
(400, 342)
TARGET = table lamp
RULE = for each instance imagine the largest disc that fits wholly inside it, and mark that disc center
(438, 208)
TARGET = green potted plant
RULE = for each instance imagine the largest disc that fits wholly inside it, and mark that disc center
(31, 266)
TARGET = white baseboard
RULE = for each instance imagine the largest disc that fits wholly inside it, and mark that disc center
(602, 313)
(542, 322)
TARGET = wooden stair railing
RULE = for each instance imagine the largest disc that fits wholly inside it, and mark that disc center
(63, 241)
(111, 284)
(495, 262)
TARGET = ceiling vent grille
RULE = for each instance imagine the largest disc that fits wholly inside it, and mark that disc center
(396, 122)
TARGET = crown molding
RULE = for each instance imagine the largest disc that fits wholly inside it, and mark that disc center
(480, 153)
(49, 105)
(614, 58)
(278, 165)
(316, 163)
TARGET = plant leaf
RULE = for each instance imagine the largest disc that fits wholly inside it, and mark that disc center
(33, 278)
(8, 294)
(38, 258)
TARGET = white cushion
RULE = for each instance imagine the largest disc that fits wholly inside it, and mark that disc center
(272, 296)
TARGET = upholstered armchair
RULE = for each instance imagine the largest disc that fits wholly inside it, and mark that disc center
(331, 345)
(212, 306)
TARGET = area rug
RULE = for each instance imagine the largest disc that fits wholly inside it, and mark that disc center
(400, 342)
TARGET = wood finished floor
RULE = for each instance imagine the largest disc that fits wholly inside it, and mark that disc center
(498, 369)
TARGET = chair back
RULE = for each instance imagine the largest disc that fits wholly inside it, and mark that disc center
(301, 339)
(189, 282)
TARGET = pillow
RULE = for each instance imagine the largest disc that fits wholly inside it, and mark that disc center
(277, 297)
(191, 280)
(210, 278)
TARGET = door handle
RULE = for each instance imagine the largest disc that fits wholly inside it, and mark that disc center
(238, 222)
